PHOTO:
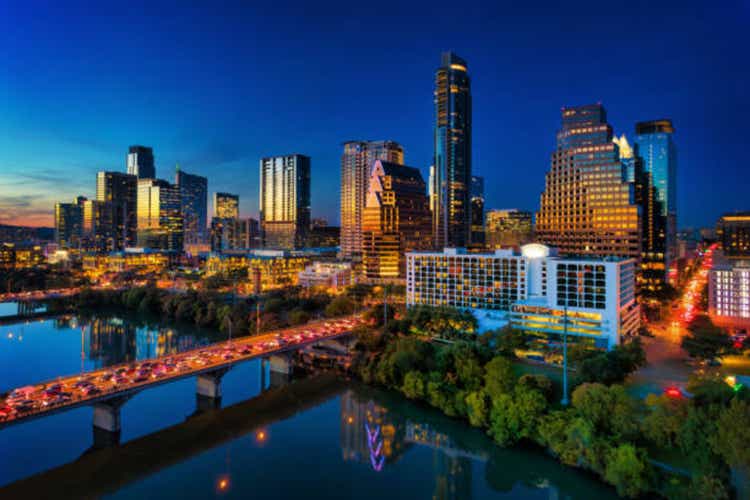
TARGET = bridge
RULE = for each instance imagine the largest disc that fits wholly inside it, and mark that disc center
(40, 295)
(108, 389)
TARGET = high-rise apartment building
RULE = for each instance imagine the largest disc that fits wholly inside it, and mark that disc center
(160, 224)
(226, 206)
(508, 228)
(588, 207)
(120, 192)
(396, 219)
(657, 148)
(97, 225)
(141, 162)
(356, 162)
(68, 224)
(477, 211)
(733, 233)
(194, 202)
(285, 201)
(451, 206)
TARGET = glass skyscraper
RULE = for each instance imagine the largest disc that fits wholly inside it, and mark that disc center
(141, 162)
(160, 224)
(194, 200)
(477, 211)
(356, 162)
(285, 201)
(119, 191)
(68, 224)
(451, 206)
(657, 148)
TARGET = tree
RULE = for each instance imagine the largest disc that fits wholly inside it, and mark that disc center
(610, 410)
(705, 341)
(614, 366)
(340, 306)
(538, 382)
(515, 416)
(298, 317)
(627, 470)
(664, 420)
(414, 385)
(705, 486)
(498, 377)
(732, 439)
(478, 404)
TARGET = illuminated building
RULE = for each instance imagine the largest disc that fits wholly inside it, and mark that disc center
(20, 256)
(226, 206)
(324, 236)
(141, 162)
(333, 275)
(138, 260)
(532, 290)
(588, 207)
(194, 205)
(508, 228)
(356, 162)
(285, 201)
(159, 215)
(657, 148)
(234, 234)
(395, 220)
(733, 233)
(273, 268)
(120, 192)
(97, 225)
(729, 292)
(477, 211)
(451, 210)
(68, 224)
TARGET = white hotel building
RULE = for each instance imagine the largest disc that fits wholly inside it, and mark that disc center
(729, 293)
(533, 290)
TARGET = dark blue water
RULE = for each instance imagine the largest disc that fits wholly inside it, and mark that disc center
(330, 439)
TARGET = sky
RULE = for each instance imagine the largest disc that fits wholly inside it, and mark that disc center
(216, 86)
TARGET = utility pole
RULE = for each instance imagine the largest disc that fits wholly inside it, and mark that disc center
(564, 401)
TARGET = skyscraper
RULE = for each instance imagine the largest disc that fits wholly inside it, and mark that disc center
(285, 201)
(477, 211)
(356, 163)
(657, 148)
(451, 215)
(141, 162)
(508, 228)
(160, 224)
(396, 219)
(68, 224)
(119, 191)
(588, 207)
(194, 202)
(97, 229)
(733, 233)
(226, 206)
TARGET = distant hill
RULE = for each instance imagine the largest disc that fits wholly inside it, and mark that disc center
(24, 234)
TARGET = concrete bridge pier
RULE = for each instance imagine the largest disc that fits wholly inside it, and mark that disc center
(107, 424)
(280, 368)
(209, 383)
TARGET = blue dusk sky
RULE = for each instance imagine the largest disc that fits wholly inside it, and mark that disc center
(215, 86)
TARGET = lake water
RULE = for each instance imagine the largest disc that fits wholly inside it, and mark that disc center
(318, 437)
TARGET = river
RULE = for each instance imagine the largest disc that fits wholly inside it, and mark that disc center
(317, 437)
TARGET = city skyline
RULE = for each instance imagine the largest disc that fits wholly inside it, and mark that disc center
(63, 161)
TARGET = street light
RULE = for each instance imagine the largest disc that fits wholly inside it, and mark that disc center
(564, 400)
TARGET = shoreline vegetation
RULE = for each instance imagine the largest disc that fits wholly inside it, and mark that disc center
(432, 356)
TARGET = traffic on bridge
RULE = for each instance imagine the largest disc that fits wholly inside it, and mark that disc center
(121, 381)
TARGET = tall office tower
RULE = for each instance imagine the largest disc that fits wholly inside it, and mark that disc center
(120, 192)
(160, 224)
(733, 233)
(396, 219)
(285, 201)
(194, 202)
(588, 207)
(477, 211)
(226, 206)
(68, 224)
(451, 212)
(247, 234)
(657, 148)
(97, 226)
(141, 162)
(508, 228)
(356, 163)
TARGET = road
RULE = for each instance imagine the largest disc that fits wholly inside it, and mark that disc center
(96, 386)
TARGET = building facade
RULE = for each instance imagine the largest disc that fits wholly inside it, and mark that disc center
(333, 275)
(285, 201)
(356, 162)
(141, 162)
(194, 205)
(68, 225)
(120, 192)
(588, 207)
(477, 212)
(226, 205)
(396, 219)
(532, 290)
(733, 233)
(506, 228)
(729, 292)
(160, 224)
(97, 228)
(451, 210)
(266, 269)
(656, 146)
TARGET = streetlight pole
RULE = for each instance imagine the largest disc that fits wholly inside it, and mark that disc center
(564, 401)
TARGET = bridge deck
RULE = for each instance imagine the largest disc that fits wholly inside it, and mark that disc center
(129, 378)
